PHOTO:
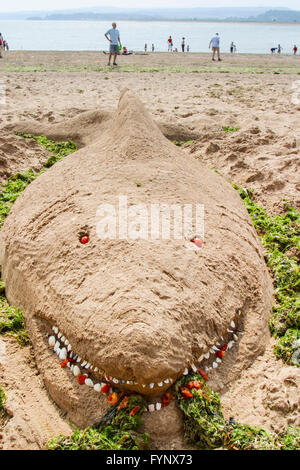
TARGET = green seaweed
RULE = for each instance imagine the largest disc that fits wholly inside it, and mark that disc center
(206, 427)
(12, 321)
(279, 235)
(121, 434)
(2, 403)
(228, 129)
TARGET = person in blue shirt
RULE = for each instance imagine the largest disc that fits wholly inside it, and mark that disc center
(113, 36)
(215, 45)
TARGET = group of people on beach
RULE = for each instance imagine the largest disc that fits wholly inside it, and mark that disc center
(3, 45)
(183, 45)
(279, 49)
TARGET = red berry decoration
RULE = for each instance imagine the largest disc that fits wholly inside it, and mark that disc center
(84, 240)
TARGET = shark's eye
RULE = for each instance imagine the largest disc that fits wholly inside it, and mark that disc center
(84, 239)
(198, 242)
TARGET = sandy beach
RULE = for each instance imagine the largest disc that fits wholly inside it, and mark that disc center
(239, 117)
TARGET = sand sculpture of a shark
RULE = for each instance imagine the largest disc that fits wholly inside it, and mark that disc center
(133, 313)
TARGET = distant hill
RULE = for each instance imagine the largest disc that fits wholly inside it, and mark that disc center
(255, 14)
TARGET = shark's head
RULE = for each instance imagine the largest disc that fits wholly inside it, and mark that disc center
(135, 313)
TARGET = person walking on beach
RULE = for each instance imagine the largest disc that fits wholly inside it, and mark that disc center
(295, 49)
(114, 39)
(183, 44)
(215, 44)
(153, 48)
(279, 48)
(145, 48)
(170, 44)
(1, 45)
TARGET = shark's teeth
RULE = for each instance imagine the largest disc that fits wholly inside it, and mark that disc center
(76, 371)
(89, 382)
(63, 349)
(63, 354)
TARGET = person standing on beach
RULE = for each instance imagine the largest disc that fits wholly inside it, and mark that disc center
(170, 44)
(1, 45)
(279, 49)
(114, 39)
(153, 48)
(215, 44)
(295, 49)
(183, 44)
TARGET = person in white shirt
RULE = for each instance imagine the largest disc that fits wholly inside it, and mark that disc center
(114, 39)
(215, 45)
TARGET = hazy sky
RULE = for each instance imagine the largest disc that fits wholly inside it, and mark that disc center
(20, 5)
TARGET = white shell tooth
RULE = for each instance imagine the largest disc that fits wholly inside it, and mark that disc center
(76, 371)
(84, 364)
(218, 344)
(229, 331)
(185, 372)
(115, 381)
(89, 382)
(59, 335)
(215, 365)
(235, 337)
(158, 406)
(207, 355)
(52, 341)
(239, 312)
(56, 346)
(78, 359)
(69, 365)
(151, 408)
(58, 351)
(218, 360)
(222, 338)
(66, 342)
(201, 358)
(69, 348)
(212, 351)
(160, 384)
(215, 348)
(230, 344)
(97, 388)
(151, 385)
(232, 324)
(96, 369)
(55, 329)
(143, 385)
(88, 365)
(129, 382)
(170, 380)
(194, 367)
(63, 354)
(166, 381)
(63, 339)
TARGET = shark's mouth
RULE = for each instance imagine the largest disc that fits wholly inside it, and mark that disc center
(103, 382)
